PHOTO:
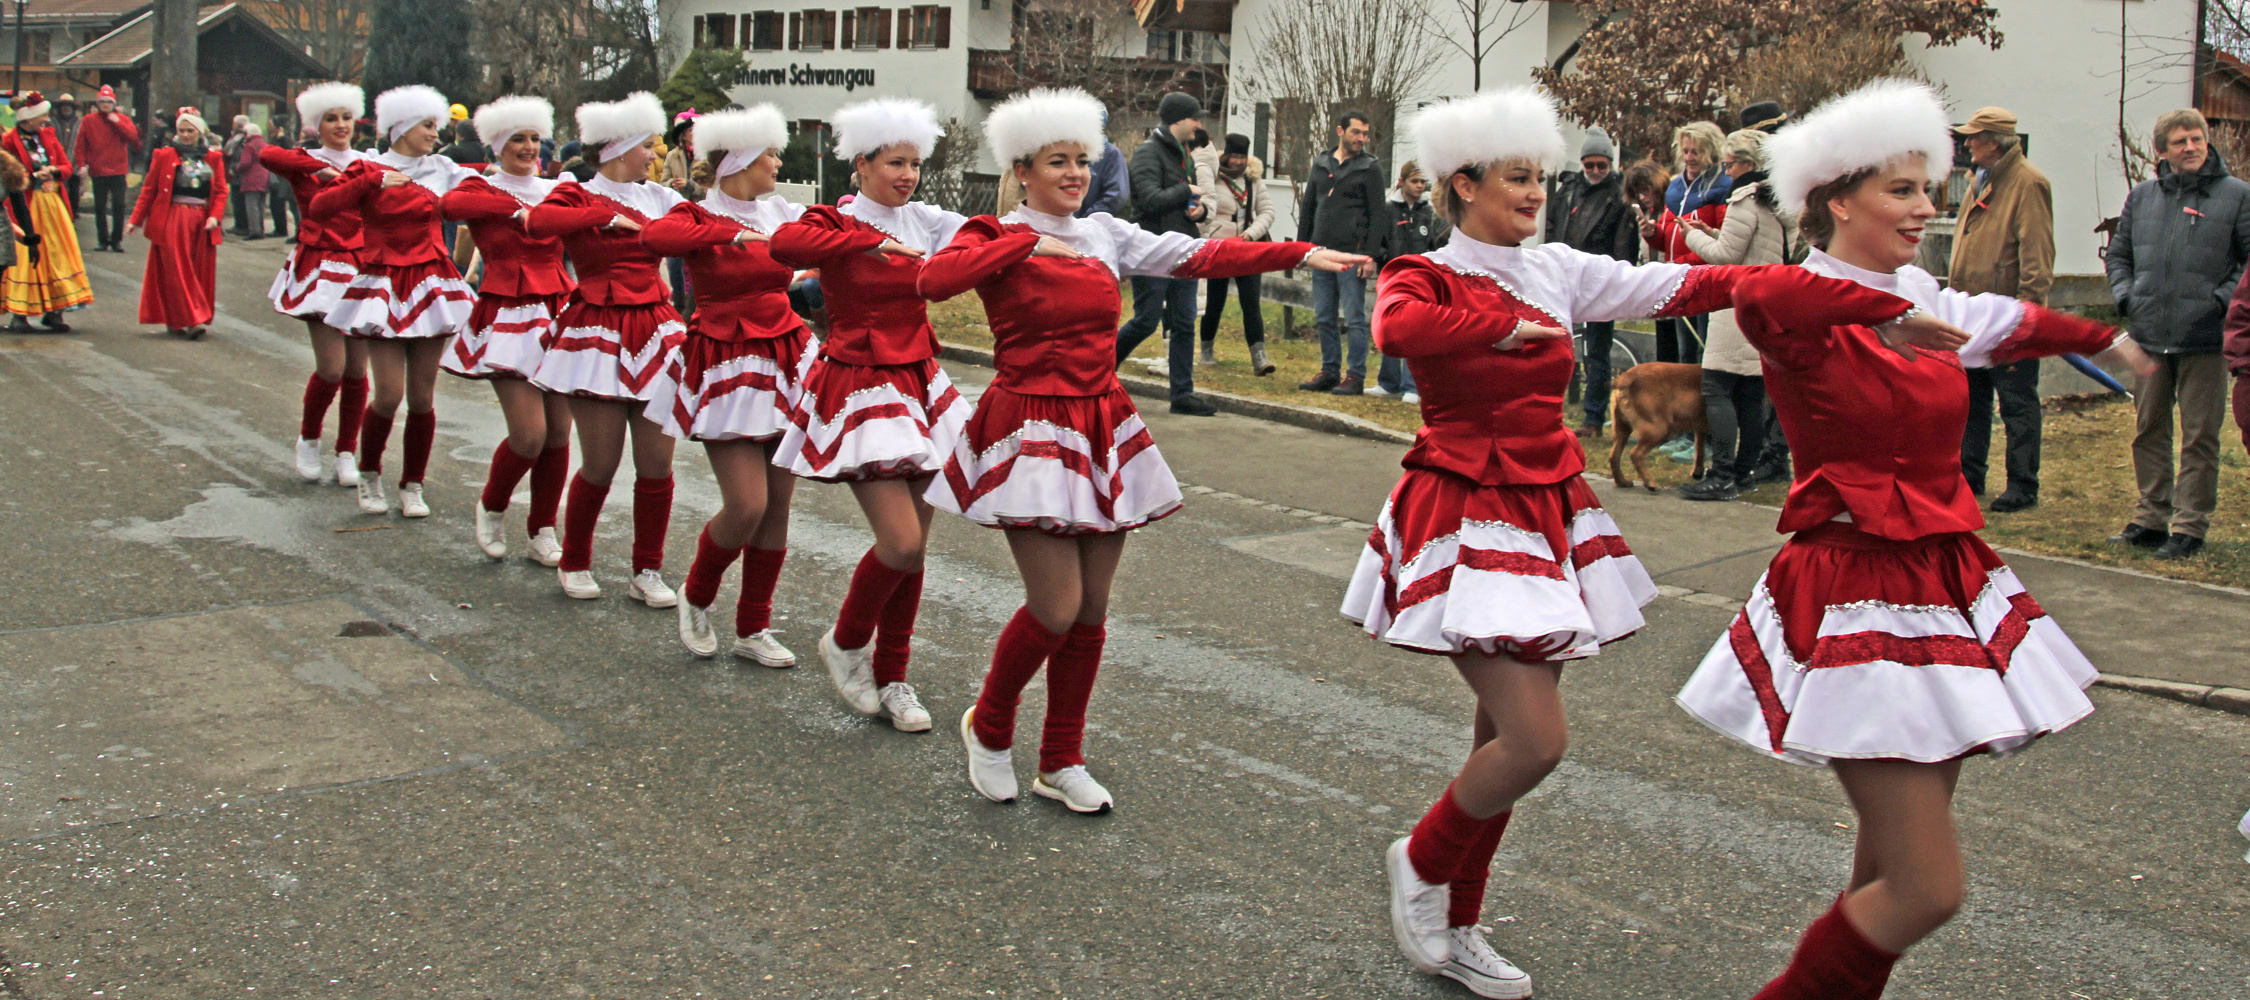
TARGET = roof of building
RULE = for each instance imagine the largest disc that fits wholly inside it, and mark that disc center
(129, 46)
(49, 12)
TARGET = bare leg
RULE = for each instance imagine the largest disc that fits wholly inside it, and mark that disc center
(1521, 703)
(900, 518)
(527, 408)
(1907, 879)
(781, 488)
(387, 367)
(422, 357)
(1054, 582)
(744, 479)
(601, 437)
(335, 356)
(652, 448)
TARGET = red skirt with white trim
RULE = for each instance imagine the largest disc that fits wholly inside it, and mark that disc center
(312, 281)
(503, 336)
(742, 390)
(609, 352)
(1854, 646)
(1537, 572)
(1064, 465)
(856, 422)
(409, 302)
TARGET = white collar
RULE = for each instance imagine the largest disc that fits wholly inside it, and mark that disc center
(1908, 282)
(915, 224)
(1465, 253)
(434, 172)
(762, 214)
(649, 199)
(530, 189)
(338, 158)
(1052, 225)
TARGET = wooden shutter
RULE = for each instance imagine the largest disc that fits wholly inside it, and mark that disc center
(883, 27)
(699, 38)
(829, 20)
(796, 30)
(945, 27)
(851, 28)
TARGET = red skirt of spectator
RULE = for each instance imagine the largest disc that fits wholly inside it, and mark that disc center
(182, 272)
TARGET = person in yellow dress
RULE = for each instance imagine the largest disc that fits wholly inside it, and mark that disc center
(54, 281)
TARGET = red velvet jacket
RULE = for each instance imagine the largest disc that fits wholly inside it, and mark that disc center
(400, 226)
(155, 201)
(741, 292)
(516, 264)
(301, 169)
(875, 316)
(614, 268)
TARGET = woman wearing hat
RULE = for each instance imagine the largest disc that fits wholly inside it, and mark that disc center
(524, 287)
(408, 300)
(313, 277)
(1885, 641)
(52, 281)
(611, 342)
(1056, 454)
(181, 205)
(734, 383)
(877, 410)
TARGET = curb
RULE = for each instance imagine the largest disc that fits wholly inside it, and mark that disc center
(2225, 699)
(1307, 417)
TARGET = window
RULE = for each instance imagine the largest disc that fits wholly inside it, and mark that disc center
(1162, 45)
(927, 26)
(764, 30)
(815, 31)
(38, 46)
(714, 31)
(868, 27)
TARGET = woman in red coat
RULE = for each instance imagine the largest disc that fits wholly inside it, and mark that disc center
(52, 281)
(322, 264)
(408, 299)
(613, 340)
(1056, 454)
(181, 203)
(523, 290)
(734, 383)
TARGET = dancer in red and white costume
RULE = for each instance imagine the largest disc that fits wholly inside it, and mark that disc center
(313, 278)
(612, 341)
(408, 300)
(877, 411)
(523, 290)
(1492, 550)
(1886, 640)
(1056, 454)
(733, 384)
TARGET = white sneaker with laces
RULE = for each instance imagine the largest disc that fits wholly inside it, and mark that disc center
(648, 587)
(371, 496)
(762, 648)
(1074, 788)
(899, 701)
(546, 549)
(579, 584)
(695, 631)
(853, 672)
(410, 502)
(991, 772)
(1376, 391)
(347, 469)
(490, 537)
(308, 460)
(1474, 964)
(1410, 398)
(1417, 912)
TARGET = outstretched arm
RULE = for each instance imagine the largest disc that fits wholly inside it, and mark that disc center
(1790, 314)
(978, 252)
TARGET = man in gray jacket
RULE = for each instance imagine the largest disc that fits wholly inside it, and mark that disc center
(2173, 264)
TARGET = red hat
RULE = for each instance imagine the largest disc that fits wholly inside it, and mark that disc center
(105, 94)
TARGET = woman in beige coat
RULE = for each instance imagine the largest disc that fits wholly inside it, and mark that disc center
(1734, 386)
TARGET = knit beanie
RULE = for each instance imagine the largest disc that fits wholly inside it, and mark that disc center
(1176, 106)
(1597, 144)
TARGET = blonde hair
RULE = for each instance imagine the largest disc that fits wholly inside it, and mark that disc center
(1703, 134)
(1747, 144)
(2172, 121)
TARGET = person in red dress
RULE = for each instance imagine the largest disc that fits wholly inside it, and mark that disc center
(313, 278)
(1886, 640)
(611, 343)
(524, 287)
(734, 383)
(408, 300)
(877, 410)
(1056, 454)
(181, 203)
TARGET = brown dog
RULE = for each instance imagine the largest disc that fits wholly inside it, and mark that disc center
(1653, 401)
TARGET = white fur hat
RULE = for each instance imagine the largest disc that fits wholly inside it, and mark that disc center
(1874, 126)
(500, 120)
(749, 130)
(871, 125)
(401, 108)
(1031, 121)
(1513, 123)
(639, 114)
(322, 98)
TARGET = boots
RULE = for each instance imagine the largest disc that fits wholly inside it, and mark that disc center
(1207, 357)
(1258, 362)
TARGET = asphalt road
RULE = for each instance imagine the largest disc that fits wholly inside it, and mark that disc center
(249, 752)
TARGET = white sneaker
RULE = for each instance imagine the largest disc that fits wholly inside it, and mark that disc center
(853, 671)
(1418, 912)
(695, 631)
(347, 469)
(308, 459)
(410, 502)
(546, 549)
(991, 772)
(371, 496)
(579, 584)
(1376, 390)
(765, 650)
(490, 527)
(1074, 788)
(905, 709)
(1410, 398)
(1475, 965)
(648, 587)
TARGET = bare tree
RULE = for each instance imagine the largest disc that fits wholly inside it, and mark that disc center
(333, 31)
(1090, 44)
(570, 51)
(1316, 58)
(1475, 27)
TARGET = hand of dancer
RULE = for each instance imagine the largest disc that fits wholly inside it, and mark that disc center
(895, 247)
(1330, 260)
(2129, 354)
(1526, 333)
(1920, 329)
(523, 218)
(392, 179)
(328, 174)
(751, 236)
(210, 224)
(1052, 247)
(132, 229)
(621, 222)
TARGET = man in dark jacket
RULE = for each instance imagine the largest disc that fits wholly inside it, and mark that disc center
(2174, 263)
(1589, 213)
(1167, 200)
(1342, 209)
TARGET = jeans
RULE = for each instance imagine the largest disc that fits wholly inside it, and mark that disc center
(1340, 298)
(2197, 384)
(1173, 301)
(1595, 366)
(1215, 304)
(1735, 407)
(254, 204)
(1394, 377)
(110, 207)
(2017, 385)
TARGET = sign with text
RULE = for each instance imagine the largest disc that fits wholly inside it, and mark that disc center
(794, 75)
